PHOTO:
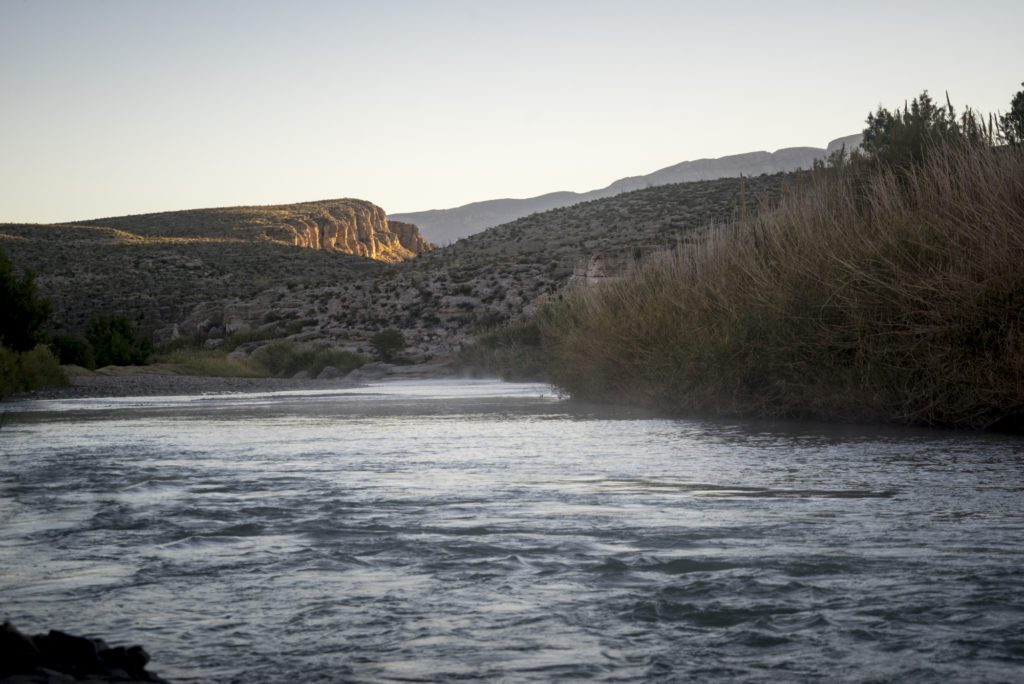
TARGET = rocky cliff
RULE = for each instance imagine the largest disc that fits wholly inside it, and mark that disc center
(351, 226)
(409, 236)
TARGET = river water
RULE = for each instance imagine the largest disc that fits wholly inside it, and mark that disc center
(479, 530)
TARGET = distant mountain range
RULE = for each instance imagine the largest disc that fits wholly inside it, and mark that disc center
(444, 226)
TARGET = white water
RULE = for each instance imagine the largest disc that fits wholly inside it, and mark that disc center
(480, 530)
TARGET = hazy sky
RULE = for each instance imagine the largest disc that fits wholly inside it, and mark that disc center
(114, 107)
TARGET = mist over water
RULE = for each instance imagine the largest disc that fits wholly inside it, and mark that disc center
(481, 530)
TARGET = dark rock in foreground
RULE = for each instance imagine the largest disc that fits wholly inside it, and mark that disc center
(57, 657)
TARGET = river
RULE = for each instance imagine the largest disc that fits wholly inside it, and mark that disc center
(480, 530)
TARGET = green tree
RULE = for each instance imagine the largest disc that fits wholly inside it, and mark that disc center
(1012, 123)
(387, 344)
(116, 342)
(901, 138)
(22, 312)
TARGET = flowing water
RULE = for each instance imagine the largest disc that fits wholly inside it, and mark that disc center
(477, 530)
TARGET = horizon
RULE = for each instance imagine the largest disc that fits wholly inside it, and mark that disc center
(118, 108)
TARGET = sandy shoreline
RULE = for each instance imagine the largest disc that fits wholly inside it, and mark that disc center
(155, 385)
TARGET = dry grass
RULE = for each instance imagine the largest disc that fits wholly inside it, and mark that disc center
(896, 297)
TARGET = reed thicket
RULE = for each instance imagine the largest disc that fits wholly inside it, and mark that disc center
(893, 295)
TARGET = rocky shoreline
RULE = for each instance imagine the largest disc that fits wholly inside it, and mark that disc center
(147, 384)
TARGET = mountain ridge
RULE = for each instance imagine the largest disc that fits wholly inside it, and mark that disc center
(444, 226)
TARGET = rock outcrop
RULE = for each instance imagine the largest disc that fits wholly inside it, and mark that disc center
(350, 226)
(59, 657)
(409, 236)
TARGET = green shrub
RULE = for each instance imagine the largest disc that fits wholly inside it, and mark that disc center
(116, 342)
(387, 344)
(36, 368)
(73, 349)
(285, 358)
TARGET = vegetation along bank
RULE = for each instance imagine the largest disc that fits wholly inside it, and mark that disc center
(886, 286)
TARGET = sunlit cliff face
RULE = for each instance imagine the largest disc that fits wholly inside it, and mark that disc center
(350, 226)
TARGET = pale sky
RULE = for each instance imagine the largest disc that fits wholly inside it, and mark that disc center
(113, 107)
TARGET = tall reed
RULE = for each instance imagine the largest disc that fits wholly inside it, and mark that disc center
(895, 295)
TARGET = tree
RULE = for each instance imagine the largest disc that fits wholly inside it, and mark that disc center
(22, 312)
(1012, 123)
(901, 139)
(387, 344)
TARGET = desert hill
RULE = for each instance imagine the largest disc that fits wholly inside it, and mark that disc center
(156, 268)
(444, 226)
(444, 298)
(87, 270)
(241, 276)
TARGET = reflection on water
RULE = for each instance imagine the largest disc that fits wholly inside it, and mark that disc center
(483, 530)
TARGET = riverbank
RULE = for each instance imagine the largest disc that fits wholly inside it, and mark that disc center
(147, 381)
(881, 296)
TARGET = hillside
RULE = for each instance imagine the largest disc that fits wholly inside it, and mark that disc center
(236, 278)
(445, 226)
(85, 270)
(442, 299)
(156, 268)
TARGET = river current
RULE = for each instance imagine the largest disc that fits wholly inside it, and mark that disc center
(479, 530)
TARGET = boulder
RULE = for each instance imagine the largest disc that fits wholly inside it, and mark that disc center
(329, 373)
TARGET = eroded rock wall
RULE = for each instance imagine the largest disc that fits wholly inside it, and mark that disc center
(354, 227)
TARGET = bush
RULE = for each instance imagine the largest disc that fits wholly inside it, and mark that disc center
(40, 368)
(116, 342)
(34, 369)
(72, 349)
(284, 358)
(387, 344)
